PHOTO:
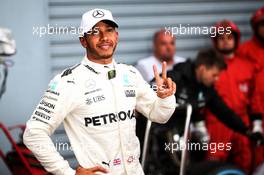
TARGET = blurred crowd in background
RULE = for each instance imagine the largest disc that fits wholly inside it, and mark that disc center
(239, 85)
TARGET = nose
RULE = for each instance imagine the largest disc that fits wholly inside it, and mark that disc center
(103, 36)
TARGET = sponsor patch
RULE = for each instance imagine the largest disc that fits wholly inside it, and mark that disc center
(45, 109)
(90, 84)
(130, 93)
(40, 114)
(37, 119)
(53, 92)
(131, 159)
(117, 162)
(50, 98)
(109, 118)
(47, 104)
(95, 99)
(93, 91)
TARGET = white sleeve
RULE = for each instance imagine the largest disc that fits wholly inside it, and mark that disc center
(150, 105)
(54, 106)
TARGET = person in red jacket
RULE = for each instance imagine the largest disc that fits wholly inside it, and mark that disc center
(236, 86)
(253, 50)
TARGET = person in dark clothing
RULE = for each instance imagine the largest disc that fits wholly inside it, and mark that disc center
(195, 86)
(195, 81)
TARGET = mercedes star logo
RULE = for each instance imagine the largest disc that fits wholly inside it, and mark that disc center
(90, 84)
(98, 14)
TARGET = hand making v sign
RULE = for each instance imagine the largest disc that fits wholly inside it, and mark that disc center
(165, 86)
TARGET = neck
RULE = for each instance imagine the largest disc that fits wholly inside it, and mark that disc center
(99, 61)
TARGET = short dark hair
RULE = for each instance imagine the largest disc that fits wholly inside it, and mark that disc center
(110, 23)
(209, 58)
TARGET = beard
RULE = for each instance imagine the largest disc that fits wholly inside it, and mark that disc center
(226, 51)
(167, 57)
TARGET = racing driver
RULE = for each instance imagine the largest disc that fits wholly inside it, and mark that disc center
(96, 101)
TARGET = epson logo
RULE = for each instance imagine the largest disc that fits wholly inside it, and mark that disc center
(49, 105)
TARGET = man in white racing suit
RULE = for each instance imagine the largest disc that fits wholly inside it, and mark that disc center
(96, 100)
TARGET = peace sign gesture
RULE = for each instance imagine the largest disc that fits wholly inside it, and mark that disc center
(165, 86)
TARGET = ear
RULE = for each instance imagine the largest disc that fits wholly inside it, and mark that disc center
(117, 36)
(83, 42)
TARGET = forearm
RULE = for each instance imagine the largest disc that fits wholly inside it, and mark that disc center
(162, 109)
(225, 114)
(234, 122)
(39, 142)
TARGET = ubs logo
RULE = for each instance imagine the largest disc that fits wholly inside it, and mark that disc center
(95, 99)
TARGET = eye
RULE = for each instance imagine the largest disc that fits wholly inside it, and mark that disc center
(110, 29)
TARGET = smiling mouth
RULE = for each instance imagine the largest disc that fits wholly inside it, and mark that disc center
(105, 46)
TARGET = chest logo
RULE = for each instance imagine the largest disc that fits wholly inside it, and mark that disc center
(130, 93)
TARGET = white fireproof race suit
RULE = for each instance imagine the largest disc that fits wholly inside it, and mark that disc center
(98, 116)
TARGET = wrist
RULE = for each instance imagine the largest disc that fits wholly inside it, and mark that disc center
(70, 171)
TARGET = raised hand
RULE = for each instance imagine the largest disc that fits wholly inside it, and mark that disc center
(165, 86)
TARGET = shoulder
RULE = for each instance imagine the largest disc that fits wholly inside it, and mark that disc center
(66, 78)
(185, 65)
(70, 72)
(178, 59)
(245, 47)
(126, 68)
(175, 72)
(244, 44)
(244, 63)
(130, 71)
(181, 69)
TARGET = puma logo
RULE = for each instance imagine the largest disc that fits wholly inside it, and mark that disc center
(105, 163)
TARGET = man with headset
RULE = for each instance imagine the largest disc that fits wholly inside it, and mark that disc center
(96, 100)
